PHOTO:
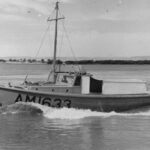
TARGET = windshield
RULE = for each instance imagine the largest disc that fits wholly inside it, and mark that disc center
(65, 79)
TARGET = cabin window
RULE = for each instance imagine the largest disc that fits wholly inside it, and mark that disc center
(95, 85)
(65, 78)
(77, 81)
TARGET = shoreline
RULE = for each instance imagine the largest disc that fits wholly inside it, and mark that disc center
(77, 62)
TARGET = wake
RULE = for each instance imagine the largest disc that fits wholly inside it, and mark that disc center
(65, 113)
(19, 108)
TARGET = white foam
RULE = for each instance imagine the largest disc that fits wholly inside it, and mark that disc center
(20, 107)
(72, 113)
(68, 113)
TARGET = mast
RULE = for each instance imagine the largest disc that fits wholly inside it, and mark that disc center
(55, 41)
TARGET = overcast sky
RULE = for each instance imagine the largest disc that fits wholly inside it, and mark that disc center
(96, 28)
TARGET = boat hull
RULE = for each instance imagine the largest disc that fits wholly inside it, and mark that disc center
(103, 103)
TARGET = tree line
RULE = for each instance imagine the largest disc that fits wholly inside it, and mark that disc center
(80, 62)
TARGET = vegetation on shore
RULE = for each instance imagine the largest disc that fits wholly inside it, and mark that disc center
(80, 62)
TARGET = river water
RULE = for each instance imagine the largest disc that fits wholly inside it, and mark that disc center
(35, 127)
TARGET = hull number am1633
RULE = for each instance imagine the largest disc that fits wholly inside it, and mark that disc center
(55, 102)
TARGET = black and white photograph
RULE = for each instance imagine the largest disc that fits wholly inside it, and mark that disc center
(74, 74)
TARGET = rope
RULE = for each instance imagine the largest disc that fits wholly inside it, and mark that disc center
(69, 41)
(61, 43)
(70, 46)
(42, 41)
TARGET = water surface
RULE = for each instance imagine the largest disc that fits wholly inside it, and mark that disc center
(24, 127)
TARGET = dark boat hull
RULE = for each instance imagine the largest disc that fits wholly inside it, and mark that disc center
(103, 103)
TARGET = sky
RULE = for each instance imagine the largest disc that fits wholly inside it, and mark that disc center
(93, 28)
